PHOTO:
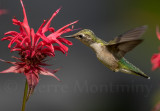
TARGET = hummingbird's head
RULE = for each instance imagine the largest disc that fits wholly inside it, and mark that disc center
(86, 36)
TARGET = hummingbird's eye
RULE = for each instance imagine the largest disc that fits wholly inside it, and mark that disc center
(80, 36)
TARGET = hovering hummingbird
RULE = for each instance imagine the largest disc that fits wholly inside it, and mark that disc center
(111, 53)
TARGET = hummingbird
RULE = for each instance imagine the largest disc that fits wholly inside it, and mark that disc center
(112, 53)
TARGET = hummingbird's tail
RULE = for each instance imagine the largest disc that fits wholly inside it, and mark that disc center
(134, 73)
(129, 68)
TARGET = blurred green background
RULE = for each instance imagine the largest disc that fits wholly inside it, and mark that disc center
(86, 84)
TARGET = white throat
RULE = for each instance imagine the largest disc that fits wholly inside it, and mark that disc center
(97, 47)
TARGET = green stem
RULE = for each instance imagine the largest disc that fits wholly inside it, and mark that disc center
(25, 96)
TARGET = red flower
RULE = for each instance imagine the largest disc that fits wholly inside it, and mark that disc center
(155, 60)
(3, 11)
(33, 48)
(156, 107)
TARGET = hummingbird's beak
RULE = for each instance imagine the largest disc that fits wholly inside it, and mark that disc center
(69, 36)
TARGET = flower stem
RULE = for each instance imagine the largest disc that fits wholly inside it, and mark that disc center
(25, 96)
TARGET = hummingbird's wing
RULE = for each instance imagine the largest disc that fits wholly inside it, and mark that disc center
(126, 42)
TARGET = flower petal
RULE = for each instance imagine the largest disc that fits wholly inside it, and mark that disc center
(14, 63)
(25, 21)
(3, 11)
(65, 48)
(65, 41)
(155, 66)
(51, 29)
(7, 38)
(157, 32)
(156, 107)
(32, 80)
(155, 60)
(46, 27)
(16, 21)
(59, 49)
(12, 69)
(13, 33)
(61, 29)
(46, 72)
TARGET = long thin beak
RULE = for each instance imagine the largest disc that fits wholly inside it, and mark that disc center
(69, 36)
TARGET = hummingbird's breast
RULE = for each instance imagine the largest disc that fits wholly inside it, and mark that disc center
(105, 56)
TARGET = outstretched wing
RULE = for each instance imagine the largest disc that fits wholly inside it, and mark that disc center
(126, 42)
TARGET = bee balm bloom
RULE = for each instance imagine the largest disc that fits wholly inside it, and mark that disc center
(3, 11)
(33, 47)
(155, 60)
